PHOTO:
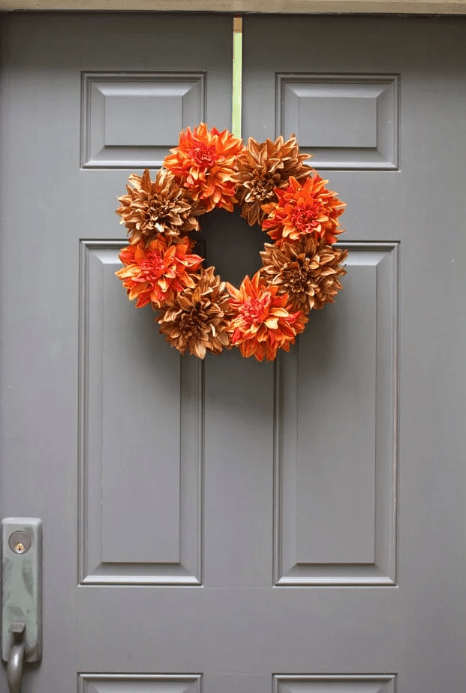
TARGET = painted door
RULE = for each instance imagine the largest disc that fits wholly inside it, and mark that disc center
(230, 526)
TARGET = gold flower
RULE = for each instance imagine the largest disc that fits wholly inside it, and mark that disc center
(264, 167)
(150, 208)
(308, 271)
(197, 318)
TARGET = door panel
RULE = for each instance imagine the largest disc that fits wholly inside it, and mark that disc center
(341, 378)
(131, 412)
(230, 526)
(346, 121)
(128, 119)
(130, 683)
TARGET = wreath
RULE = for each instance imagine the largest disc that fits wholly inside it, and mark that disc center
(274, 188)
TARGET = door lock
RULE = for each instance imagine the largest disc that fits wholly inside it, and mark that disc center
(21, 596)
(20, 542)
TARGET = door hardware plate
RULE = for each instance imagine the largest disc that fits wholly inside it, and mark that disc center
(22, 584)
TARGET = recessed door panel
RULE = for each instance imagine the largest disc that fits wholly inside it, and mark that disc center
(336, 457)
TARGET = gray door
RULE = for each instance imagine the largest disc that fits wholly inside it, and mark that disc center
(230, 526)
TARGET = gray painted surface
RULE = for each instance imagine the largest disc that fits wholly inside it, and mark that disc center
(236, 527)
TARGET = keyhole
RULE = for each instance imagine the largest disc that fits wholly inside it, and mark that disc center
(20, 542)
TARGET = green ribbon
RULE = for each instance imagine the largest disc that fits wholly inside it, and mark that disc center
(237, 76)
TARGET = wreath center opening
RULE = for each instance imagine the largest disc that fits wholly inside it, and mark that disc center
(230, 245)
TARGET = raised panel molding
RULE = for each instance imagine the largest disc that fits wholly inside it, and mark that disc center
(336, 434)
(344, 121)
(138, 683)
(141, 439)
(367, 683)
(130, 120)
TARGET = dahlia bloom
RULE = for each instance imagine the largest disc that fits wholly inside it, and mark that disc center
(204, 164)
(263, 167)
(153, 207)
(197, 318)
(308, 271)
(263, 320)
(153, 274)
(304, 209)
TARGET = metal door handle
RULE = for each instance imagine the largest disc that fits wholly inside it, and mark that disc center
(21, 617)
(14, 671)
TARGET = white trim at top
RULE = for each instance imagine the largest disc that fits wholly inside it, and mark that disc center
(241, 6)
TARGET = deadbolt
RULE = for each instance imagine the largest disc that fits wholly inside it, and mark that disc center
(19, 542)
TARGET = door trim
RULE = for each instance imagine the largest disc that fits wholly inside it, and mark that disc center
(238, 6)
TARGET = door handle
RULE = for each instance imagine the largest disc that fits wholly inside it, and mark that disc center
(14, 671)
(21, 596)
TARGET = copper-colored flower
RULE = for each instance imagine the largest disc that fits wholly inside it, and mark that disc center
(204, 163)
(303, 209)
(264, 167)
(308, 271)
(150, 208)
(197, 318)
(264, 320)
(154, 274)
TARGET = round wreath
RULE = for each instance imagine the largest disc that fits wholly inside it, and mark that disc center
(273, 187)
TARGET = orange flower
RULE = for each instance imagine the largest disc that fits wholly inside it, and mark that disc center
(204, 163)
(154, 274)
(264, 320)
(304, 209)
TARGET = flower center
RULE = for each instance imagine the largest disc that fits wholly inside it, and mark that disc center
(159, 209)
(263, 189)
(305, 217)
(153, 266)
(204, 154)
(296, 277)
(256, 310)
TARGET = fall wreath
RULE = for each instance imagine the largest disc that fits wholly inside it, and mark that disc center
(274, 188)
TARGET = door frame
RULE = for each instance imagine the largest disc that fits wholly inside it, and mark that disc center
(446, 7)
